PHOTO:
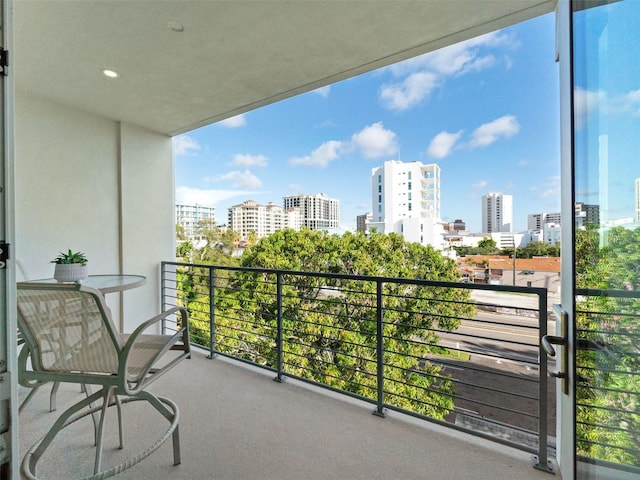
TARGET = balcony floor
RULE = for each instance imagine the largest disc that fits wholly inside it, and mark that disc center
(238, 424)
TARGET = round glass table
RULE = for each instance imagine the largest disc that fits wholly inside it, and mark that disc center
(109, 283)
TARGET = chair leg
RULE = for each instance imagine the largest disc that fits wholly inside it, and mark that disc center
(119, 406)
(166, 413)
(100, 434)
(52, 396)
(31, 459)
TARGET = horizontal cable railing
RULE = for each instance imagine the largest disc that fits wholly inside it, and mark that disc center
(608, 378)
(462, 355)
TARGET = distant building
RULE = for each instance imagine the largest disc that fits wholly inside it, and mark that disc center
(190, 217)
(406, 200)
(456, 226)
(586, 213)
(318, 212)
(549, 224)
(263, 220)
(362, 222)
(497, 213)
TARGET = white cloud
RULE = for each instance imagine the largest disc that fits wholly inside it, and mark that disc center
(374, 141)
(425, 73)
(486, 134)
(295, 187)
(408, 93)
(443, 143)
(207, 197)
(185, 145)
(234, 122)
(550, 188)
(630, 102)
(322, 91)
(246, 160)
(523, 163)
(480, 184)
(584, 102)
(321, 156)
(240, 179)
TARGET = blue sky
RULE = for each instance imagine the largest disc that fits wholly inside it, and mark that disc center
(486, 111)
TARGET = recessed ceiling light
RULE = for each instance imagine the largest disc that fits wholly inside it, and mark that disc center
(109, 73)
(175, 26)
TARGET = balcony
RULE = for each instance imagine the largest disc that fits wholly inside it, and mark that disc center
(466, 376)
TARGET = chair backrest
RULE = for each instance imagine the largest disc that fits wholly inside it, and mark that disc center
(68, 328)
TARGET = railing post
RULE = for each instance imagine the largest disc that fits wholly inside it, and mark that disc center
(162, 294)
(541, 460)
(280, 366)
(212, 312)
(379, 411)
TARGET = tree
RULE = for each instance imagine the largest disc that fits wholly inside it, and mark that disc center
(330, 324)
(607, 411)
(487, 243)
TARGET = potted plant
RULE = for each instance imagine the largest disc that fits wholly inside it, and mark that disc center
(70, 267)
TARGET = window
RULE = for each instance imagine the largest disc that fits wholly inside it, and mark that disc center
(379, 188)
(409, 196)
(409, 207)
(409, 186)
(409, 175)
(380, 198)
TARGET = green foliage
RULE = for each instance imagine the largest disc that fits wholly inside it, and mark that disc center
(330, 324)
(608, 406)
(70, 257)
(487, 243)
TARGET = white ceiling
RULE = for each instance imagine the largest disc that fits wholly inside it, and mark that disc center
(233, 56)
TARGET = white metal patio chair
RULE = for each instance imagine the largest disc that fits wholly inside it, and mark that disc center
(70, 337)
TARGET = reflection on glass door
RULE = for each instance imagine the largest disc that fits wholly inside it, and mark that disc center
(606, 109)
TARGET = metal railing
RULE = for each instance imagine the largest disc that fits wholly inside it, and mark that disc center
(608, 378)
(462, 355)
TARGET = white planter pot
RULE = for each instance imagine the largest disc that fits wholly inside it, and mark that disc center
(72, 272)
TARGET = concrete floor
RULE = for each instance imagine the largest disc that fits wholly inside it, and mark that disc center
(238, 424)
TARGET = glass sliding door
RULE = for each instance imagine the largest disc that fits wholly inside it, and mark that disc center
(605, 284)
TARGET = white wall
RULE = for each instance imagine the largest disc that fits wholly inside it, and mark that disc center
(148, 216)
(92, 184)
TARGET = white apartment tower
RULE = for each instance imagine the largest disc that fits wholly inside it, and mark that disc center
(317, 211)
(405, 199)
(497, 213)
(263, 220)
(190, 217)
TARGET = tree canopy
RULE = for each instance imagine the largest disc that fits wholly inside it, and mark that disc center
(329, 324)
(608, 390)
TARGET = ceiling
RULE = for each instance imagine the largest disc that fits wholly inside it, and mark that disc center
(232, 56)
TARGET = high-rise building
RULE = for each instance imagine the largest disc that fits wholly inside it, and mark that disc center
(191, 217)
(317, 211)
(497, 213)
(263, 220)
(406, 200)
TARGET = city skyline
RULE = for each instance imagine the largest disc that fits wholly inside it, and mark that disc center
(484, 110)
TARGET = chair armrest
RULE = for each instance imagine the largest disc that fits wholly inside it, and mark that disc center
(134, 383)
(152, 321)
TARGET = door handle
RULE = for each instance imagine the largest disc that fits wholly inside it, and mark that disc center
(548, 341)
